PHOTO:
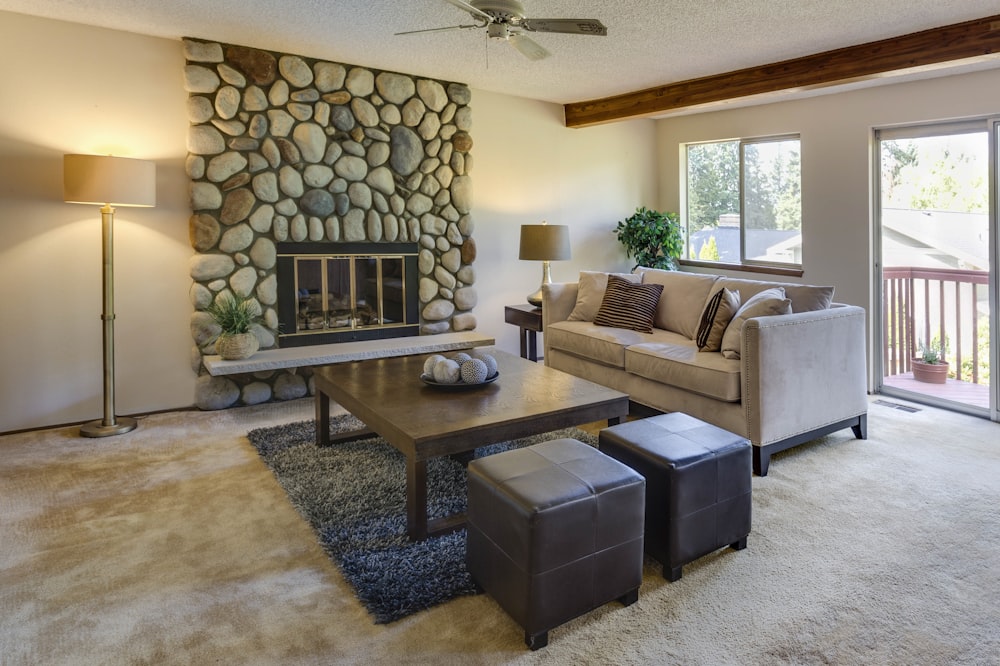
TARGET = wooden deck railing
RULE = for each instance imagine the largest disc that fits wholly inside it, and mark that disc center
(923, 305)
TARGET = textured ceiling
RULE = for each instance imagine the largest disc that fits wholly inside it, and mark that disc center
(649, 42)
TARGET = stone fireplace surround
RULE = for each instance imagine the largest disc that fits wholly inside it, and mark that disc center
(285, 148)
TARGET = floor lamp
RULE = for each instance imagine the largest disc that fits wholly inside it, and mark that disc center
(106, 182)
(544, 242)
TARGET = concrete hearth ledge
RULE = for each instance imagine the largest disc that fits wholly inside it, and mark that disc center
(342, 352)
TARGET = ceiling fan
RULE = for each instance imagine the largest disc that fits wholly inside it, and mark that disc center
(505, 19)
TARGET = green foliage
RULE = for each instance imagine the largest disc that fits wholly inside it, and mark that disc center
(983, 369)
(930, 353)
(652, 238)
(713, 179)
(709, 250)
(234, 313)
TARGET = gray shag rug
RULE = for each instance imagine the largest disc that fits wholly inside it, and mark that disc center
(354, 496)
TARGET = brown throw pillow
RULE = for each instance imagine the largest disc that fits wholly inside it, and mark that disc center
(628, 305)
(715, 318)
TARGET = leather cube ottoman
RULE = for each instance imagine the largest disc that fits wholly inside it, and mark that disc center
(698, 488)
(554, 531)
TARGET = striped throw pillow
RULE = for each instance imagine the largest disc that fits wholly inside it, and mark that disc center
(718, 312)
(628, 305)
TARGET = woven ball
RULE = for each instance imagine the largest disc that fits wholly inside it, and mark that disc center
(447, 371)
(474, 371)
(491, 364)
(460, 357)
(430, 363)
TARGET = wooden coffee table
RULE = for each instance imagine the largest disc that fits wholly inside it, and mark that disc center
(424, 422)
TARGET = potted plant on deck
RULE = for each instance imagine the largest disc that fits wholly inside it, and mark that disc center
(235, 315)
(930, 366)
(652, 238)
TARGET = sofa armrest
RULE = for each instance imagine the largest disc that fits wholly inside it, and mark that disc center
(558, 301)
(803, 371)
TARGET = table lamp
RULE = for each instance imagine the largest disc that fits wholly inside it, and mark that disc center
(107, 181)
(544, 242)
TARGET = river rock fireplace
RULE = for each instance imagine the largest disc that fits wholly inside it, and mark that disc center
(370, 168)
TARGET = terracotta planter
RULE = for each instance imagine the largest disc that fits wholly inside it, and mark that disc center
(932, 373)
(237, 347)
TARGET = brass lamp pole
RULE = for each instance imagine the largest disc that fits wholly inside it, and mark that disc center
(108, 181)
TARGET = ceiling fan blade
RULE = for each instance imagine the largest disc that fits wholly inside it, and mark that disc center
(571, 26)
(451, 27)
(528, 47)
(476, 12)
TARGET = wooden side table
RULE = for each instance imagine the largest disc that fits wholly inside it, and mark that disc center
(529, 319)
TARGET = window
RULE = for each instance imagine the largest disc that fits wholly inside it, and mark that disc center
(744, 202)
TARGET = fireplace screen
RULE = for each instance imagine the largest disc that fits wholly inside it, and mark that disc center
(350, 295)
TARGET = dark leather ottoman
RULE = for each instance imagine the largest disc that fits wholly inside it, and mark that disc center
(697, 485)
(554, 531)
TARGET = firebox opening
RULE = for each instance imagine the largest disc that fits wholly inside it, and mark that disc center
(340, 292)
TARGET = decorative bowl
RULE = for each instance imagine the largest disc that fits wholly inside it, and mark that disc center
(457, 386)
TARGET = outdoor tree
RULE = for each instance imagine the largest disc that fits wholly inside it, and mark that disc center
(713, 183)
(709, 250)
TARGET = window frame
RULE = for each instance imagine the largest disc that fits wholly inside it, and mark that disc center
(744, 264)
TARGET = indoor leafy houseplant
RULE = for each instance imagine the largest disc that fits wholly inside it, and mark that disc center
(930, 366)
(652, 238)
(235, 315)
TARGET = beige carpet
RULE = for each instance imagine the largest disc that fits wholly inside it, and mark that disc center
(174, 545)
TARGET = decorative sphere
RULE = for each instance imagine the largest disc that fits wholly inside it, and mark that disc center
(474, 371)
(430, 363)
(461, 357)
(447, 371)
(491, 364)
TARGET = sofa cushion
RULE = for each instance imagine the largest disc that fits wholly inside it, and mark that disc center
(590, 293)
(679, 364)
(804, 297)
(719, 311)
(765, 303)
(628, 305)
(682, 301)
(600, 344)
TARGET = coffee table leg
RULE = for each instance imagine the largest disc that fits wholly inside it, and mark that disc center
(322, 418)
(416, 499)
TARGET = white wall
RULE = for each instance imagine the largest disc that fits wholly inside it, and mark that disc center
(71, 88)
(74, 89)
(836, 132)
(529, 167)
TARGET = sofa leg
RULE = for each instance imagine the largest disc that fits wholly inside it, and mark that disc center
(861, 428)
(629, 598)
(739, 545)
(672, 574)
(761, 460)
(536, 641)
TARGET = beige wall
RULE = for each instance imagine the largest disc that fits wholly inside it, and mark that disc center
(836, 132)
(71, 88)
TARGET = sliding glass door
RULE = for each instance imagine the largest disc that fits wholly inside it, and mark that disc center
(936, 242)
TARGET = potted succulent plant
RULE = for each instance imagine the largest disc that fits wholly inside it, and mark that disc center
(930, 366)
(652, 238)
(235, 315)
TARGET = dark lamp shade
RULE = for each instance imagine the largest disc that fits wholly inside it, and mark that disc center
(116, 181)
(544, 242)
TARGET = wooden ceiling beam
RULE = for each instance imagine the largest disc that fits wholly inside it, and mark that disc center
(960, 41)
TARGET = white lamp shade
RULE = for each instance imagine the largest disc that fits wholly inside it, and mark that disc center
(115, 181)
(544, 242)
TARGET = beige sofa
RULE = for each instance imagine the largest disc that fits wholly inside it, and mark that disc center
(797, 376)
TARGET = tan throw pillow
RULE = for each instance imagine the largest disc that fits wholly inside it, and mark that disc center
(719, 310)
(591, 292)
(629, 305)
(765, 303)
